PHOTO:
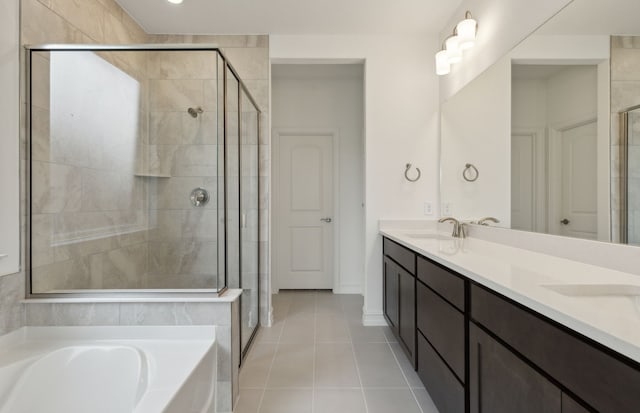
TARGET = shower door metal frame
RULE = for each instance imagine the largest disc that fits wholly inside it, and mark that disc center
(124, 293)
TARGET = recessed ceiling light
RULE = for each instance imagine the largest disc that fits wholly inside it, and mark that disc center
(175, 1)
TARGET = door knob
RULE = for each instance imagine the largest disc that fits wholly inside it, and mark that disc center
(565, 222)
(327, 220)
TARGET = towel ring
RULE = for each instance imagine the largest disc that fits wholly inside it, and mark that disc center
(474, 173)
(406, 174)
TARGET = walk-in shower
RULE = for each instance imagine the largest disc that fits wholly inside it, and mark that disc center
(629, 176)
(142, 173)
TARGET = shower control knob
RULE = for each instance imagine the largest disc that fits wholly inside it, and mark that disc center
(199, 197)
(565, 222)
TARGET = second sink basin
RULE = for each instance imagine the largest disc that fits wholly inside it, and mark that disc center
(595, 290)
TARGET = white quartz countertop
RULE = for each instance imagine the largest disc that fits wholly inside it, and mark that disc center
(600, 303)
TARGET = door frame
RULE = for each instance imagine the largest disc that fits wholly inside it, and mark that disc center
(276, 134)
(555, 168)
(539, 196)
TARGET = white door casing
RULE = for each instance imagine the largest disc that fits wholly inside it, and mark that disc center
(305, 248)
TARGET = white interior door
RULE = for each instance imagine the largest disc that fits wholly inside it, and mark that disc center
(579, 210)
(305, 227)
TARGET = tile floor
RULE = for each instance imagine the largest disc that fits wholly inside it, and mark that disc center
(318, 358)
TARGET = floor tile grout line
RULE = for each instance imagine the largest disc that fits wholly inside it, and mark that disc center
(273, 360)
(315, 352)
(406, 379)
(355, 360)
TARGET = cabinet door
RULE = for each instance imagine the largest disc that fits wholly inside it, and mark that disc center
(502, 383)
(407, 284)
(571, 406)
(390, 281)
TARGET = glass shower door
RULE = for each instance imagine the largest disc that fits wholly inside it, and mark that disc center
(249, 221)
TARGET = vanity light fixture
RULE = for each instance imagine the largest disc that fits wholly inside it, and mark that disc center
(443, 67)
(463, 38)
(454, 52)
(466, 31)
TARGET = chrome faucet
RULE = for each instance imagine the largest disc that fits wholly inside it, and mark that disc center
(484, 221)
(458, 227)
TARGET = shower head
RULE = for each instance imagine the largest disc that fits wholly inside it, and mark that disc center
(194, 112)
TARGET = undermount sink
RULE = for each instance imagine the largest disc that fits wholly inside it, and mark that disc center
(595, 290)
(426, 235)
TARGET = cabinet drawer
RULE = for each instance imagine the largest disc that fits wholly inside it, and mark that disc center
(445, 390)
(401, 255)
(443, 325)
(601, 380)
(445, 283)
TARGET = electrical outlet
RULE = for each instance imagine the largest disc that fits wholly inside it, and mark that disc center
(447, 208)
(428, 208)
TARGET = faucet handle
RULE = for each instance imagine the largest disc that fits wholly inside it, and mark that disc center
(485, 220)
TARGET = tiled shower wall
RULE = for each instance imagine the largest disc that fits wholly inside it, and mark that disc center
(103, 21)
(625, 93)
(250, 57)
(183, 152)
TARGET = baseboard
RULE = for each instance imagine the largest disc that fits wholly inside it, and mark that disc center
(270, 318)
(348, 289)
(373, 319)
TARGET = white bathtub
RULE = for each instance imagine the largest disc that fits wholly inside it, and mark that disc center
(108, 370)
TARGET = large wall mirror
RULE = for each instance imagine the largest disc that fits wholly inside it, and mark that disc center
(553, 130)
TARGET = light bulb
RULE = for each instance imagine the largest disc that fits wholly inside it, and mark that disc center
(466, 30)
(442, 63)
(454, 54)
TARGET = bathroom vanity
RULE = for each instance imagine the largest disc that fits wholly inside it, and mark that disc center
(491, 328)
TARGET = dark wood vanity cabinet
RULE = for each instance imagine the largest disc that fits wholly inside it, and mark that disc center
(441, 324)
(477, 351)
(399, 303)
(603, 380)
(391, 293)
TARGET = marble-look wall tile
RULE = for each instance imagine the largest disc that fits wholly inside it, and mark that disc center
(227, 41)
(40, 25)
(624, 94)
(176, 95)
(55, 188)
(185, 256)
(80, 314)
(40, 80)
(119, 268)
(182, 65)
(12, 290)
(218, 314)
(250, 63)
(87, 16)
(625, 64)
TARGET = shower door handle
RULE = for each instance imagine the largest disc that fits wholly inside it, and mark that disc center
(327, 220)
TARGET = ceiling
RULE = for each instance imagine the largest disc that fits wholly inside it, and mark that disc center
(324, 17)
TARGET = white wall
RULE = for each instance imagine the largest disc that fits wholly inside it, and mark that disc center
(476, 129)
(9, 138)
(502, 24)
(327, 98)
(401, 126)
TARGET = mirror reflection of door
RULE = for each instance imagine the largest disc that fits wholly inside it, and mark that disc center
(554, 146)
(578, 201)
